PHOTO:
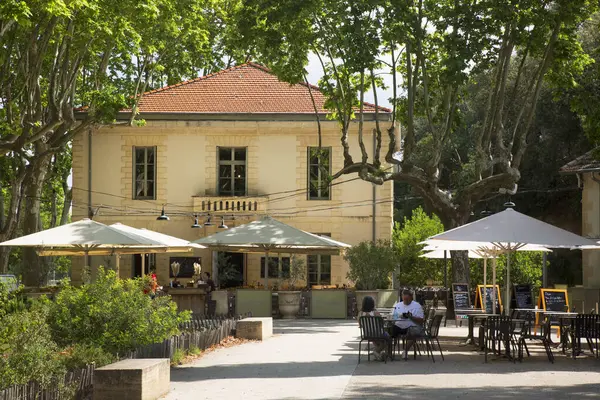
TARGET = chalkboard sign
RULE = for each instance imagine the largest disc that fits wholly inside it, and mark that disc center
(488, 303)
(461, 301)
(522, 296)
(461, 298)
(554, 300)
(460, 287)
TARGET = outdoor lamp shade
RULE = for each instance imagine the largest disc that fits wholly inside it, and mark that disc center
(223, 226)
(162, 216)
(196, 224)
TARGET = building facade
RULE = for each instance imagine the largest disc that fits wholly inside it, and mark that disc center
(223, 150)
(587, 170)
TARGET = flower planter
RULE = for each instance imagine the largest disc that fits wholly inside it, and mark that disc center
(221, 297)
(329, 303)
(361, 294)
(386, 298)
(258, 302)
(289, 303)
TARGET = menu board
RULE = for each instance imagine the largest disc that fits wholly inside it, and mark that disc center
(460, 287)
(461, 301)
(488, 303)
(522, 296)
(554, 300)
(461, 297)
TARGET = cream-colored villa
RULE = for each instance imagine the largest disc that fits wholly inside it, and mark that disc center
(220, 151)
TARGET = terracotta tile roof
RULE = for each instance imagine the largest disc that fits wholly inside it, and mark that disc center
(589, 162)
(247, 88)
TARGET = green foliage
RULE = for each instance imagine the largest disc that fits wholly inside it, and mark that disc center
(11, 301)
(415, 270)
(297, 273)
(27, 351)
(371, 264)
(194, 350)
(229, 274)
(525, 268)
(177, 357)
(81, 355)
(112, 314)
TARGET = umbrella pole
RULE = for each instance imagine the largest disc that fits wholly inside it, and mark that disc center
(493, 285)
(143, 265)
(117, 262)
(267, 270)
(484, 302)
(544, 269)
(507, 304)
(445, 269)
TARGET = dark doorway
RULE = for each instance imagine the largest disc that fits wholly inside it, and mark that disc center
(231, 269)
(137, 264)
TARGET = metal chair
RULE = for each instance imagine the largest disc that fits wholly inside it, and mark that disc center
(371, 330)
(498, 331)
(431, 334)
(585, 326)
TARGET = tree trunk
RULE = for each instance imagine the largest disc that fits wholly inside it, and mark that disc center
(4, 254)
(460, 267)
(33, 186)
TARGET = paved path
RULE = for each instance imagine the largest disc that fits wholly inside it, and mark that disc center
(312, 359)
(306, 359)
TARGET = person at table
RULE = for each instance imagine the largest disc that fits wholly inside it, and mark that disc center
(410, 318)
(368, 310)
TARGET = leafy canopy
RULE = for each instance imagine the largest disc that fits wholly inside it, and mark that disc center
(371, 264)
(415, 270)
(113, 314)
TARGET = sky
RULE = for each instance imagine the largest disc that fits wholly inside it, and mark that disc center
(315, 72)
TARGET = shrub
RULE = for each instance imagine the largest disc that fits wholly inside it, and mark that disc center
(371, 264)
(81, 355)
(27, 351)
(177, 357)
(112, 314)
(415, 270)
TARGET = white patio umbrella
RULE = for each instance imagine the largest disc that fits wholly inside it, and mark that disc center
(475, 251)
(86, 237)
(174, 244)
(439, 254)
(268, 235)
(506, 232)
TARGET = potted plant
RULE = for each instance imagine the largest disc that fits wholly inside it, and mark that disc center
(371, 265)
(289, 293)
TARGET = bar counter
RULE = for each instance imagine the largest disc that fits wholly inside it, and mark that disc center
(188, 298)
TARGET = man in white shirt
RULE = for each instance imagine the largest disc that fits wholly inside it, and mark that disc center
(409, 316)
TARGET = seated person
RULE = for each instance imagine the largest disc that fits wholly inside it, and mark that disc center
(410, 318)
(368, 310)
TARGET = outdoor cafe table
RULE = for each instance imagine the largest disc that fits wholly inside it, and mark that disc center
(562, 316)
(472, 316)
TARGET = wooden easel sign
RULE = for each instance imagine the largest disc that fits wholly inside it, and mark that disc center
(488, 306)
(554, 300)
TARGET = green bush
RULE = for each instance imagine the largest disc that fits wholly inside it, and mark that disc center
(415, 270)
(112, 314)
(81, 355)
(371, 264)
(27, 351)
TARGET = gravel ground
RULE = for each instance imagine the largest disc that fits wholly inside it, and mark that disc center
(313, 359)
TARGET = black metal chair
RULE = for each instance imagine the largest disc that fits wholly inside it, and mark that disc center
(371, 330)
(543, 336)
(432, 331)
(585, 326)
(498, 332)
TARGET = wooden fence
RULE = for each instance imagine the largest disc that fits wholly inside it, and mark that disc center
(199, 333)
